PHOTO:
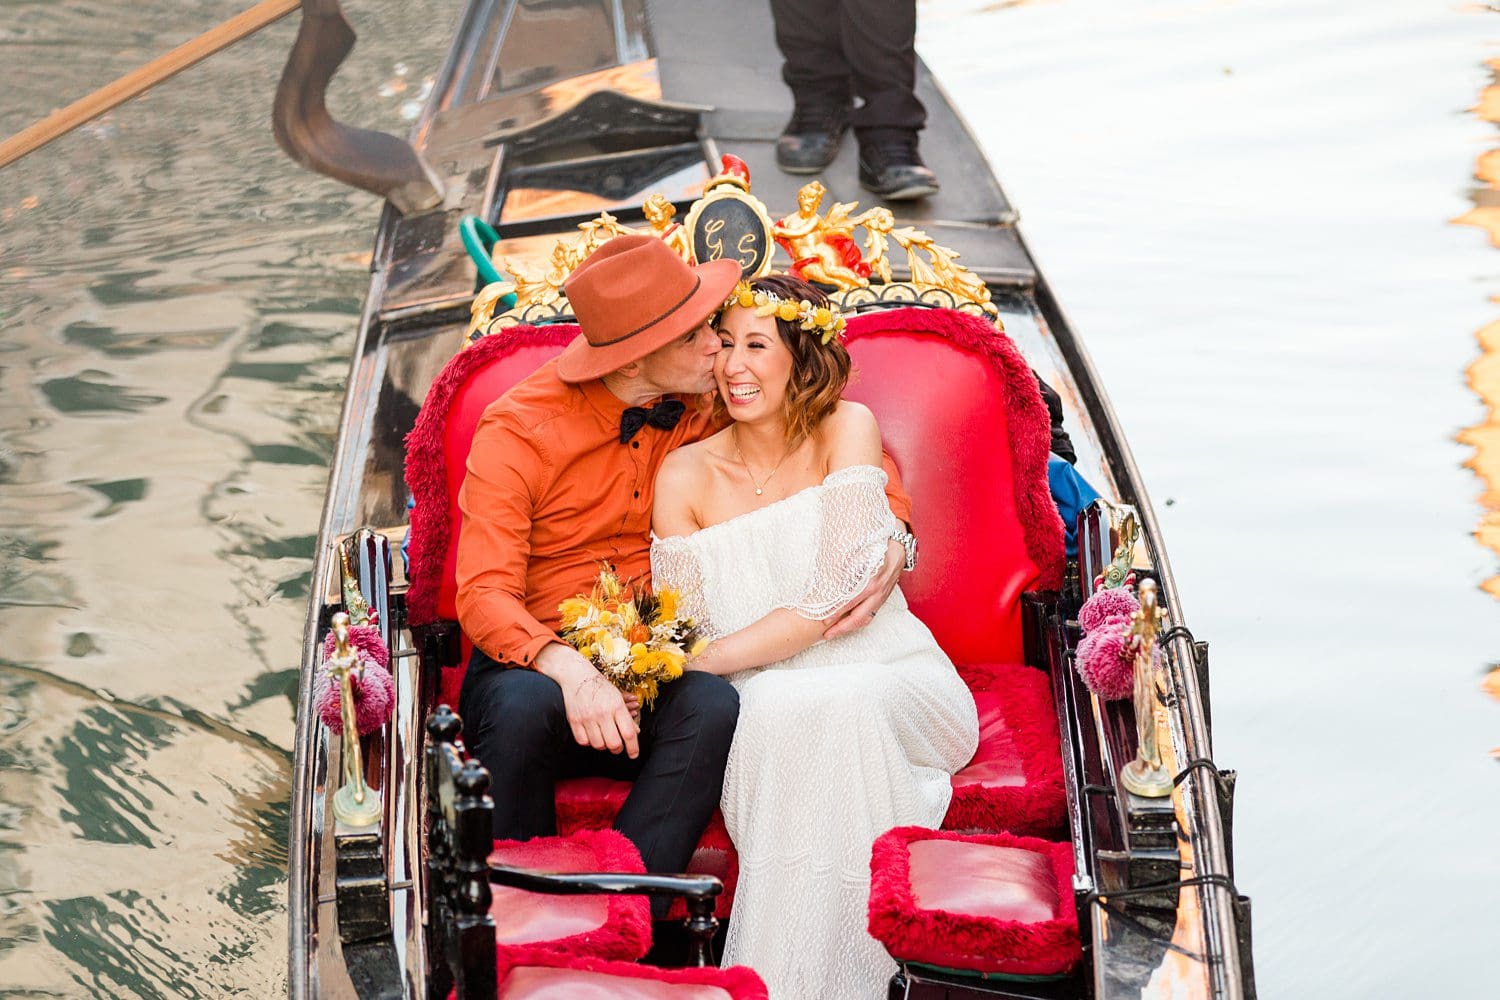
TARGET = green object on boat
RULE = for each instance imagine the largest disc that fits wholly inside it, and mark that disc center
(479, 239)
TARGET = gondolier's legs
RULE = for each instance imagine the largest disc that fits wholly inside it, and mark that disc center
(516, 725)
(863, 49)
(856, 48)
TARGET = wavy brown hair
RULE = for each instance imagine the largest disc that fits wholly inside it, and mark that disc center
(819, 371)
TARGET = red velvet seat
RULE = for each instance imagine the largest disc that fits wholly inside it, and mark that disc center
(1015, 781)
(543, 975)
(992, 903)
(608, 927)
(961, 414)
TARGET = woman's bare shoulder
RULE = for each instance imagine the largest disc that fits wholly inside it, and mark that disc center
(850, 436)
(680, 484)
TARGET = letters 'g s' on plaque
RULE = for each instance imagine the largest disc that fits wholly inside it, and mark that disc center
(728, 222)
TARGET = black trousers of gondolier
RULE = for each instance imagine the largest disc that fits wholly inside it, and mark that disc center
(863, 48)
(516, 725)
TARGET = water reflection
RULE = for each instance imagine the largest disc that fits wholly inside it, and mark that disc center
(177, 302)
(1484, 372)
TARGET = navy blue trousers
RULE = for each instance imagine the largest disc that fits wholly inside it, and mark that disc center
(515, 724)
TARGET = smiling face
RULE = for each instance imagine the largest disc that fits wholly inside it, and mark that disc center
(753, 367)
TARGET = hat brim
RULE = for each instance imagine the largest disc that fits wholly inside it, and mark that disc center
(581, 361)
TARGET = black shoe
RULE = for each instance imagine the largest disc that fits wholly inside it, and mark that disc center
(890, 165)
(810, 140)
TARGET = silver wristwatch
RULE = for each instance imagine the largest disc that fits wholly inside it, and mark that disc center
(909, 543)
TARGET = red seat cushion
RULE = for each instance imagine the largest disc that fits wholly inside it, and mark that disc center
(992, 903)
(593, 804)
(600, 926)
(1015, 781)
(543, 975)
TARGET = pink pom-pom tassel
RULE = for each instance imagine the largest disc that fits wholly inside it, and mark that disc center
(1104, 605)
(366, 639)
(1104, 660)
(374, 698)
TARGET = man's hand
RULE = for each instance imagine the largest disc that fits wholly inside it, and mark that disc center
(598, 713)
(861, 611)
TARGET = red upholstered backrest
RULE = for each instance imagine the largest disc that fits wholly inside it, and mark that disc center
(960, 411)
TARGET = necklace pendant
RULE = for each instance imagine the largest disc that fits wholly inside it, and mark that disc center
(758, 492)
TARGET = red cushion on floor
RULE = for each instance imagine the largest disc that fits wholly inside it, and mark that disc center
(992, 903)
(542, 975)
(1015, 781)
(601, 926)
(593, 804)
(532, 983)
(985, 880)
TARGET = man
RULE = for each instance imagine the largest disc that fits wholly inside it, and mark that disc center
(834, 53)
(560, 479)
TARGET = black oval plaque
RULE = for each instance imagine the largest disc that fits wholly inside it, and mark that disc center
(728, 228)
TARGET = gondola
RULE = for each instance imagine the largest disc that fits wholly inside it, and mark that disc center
(548, 126)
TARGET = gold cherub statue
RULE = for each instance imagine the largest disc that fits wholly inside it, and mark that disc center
(659, 212)
(822, 249)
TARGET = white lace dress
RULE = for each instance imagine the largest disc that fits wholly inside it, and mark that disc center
(835, 745)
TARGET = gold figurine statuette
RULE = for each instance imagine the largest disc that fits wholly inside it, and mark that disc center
(355, 803)
(1145, 775)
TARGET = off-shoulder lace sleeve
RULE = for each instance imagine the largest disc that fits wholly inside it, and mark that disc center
(854, 524)
(675, 565)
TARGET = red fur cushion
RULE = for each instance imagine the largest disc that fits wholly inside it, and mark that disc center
(600, 926)
(543, 975)
(593, 804)
(1017, 738)
(986, 903)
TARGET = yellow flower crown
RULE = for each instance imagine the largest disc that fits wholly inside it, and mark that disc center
(826, 321)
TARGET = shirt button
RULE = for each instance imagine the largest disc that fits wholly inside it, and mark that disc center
(637, 494)
(635, 444)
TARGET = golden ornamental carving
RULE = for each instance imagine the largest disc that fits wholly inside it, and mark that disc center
(728, 221)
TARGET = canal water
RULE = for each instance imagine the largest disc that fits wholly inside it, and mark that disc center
(1248, 208)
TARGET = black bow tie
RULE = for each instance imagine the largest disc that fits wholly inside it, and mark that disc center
(664, 415)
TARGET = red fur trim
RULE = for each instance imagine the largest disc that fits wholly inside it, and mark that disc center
(1039, 806)
(739, 981)
(1030, 427)
(963, 941)
(589, 803)
(626, 931)
(593, 804)
(426, 465)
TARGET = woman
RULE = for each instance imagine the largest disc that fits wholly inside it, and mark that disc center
(767, 528)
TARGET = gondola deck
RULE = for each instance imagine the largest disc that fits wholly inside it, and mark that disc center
(513, 65)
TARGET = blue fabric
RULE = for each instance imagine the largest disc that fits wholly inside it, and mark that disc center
(411, 504)
(1071, 492)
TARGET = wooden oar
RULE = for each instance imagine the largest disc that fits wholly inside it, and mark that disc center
(114, 94)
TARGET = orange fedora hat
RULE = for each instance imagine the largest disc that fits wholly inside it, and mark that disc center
(632, 296)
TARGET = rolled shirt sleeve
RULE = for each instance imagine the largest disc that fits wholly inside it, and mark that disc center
(894, 492)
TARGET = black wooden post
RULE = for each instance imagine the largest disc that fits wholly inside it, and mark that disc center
(473, 828)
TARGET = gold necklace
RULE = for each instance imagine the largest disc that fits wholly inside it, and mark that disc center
(760, 486)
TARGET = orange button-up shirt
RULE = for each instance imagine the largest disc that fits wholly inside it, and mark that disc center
(550, 494)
